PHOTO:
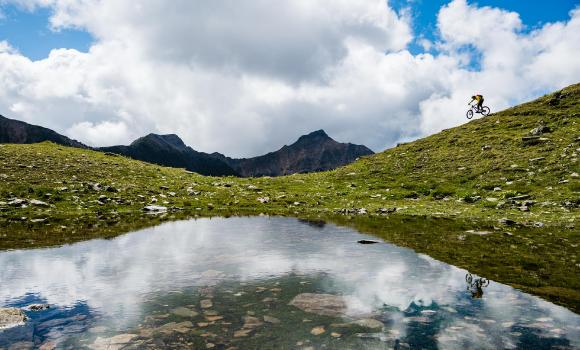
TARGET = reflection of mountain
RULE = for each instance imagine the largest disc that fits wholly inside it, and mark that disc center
(113, 276)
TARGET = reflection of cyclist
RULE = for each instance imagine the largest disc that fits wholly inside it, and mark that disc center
(475, 286)
(479, 99)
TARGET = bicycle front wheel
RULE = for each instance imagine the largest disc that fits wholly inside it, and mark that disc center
(485, 111)
(469, 114)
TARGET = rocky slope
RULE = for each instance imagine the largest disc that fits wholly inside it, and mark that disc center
(169, 150)
(311, 153)
(15, 131)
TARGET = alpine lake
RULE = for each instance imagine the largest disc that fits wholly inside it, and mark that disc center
(263, 283)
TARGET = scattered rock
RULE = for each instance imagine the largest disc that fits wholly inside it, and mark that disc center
(320, 304)
(111, 189)
(11, 317)
(318, 330)
(242, 333)
(155, 209)
(263, 199)
(479, 233)
(540, 130)
(38, 203)
(114, 343)
(366, 241)
(506, 221)
(533, 160)
(533, 140)
(173, 327)
(251, 322)
(271, 319)
(369, 323)
(206, 304)
(214, 318)
(18, 202)
(37, 307)
(184, 312)
(386, 210)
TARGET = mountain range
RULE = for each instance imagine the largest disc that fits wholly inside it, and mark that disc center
(15, 131)
(310, 153)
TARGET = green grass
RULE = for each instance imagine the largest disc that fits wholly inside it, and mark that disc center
(467, 177)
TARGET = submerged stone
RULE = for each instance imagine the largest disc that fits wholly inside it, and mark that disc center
(318, 330)
(271, 319)
(369, 323)
(184, 312)
(320, 304)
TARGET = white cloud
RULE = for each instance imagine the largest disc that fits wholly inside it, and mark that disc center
(102, 133)
(244, 78)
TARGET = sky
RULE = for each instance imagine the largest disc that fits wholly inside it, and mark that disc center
(245, 78)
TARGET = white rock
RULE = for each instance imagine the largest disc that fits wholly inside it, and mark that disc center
(155, 209)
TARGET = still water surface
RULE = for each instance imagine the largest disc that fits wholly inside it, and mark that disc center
(265, 283)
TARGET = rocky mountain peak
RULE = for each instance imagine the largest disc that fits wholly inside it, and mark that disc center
(318, 135)
(165, 141)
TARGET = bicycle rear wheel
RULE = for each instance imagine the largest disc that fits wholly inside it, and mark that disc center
(469, 114)
(485, 111)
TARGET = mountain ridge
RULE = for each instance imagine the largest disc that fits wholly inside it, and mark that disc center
(312, 152)
(16, 131)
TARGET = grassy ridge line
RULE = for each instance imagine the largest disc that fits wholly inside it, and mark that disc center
(463, 173)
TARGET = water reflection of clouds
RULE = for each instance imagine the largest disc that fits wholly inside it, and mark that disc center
(119, 274)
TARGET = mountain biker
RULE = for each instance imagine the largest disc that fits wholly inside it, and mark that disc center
(479, 99)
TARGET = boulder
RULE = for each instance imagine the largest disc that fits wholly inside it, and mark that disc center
(17, 202)
(38, 203)
(11, 317)
(386, 210)
(540, 130)
(155, 209)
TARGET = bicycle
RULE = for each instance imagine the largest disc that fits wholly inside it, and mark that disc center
(484, 111)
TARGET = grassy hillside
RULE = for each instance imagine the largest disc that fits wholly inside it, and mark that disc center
(476, 174)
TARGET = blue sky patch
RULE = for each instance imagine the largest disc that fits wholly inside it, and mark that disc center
(30, 33)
